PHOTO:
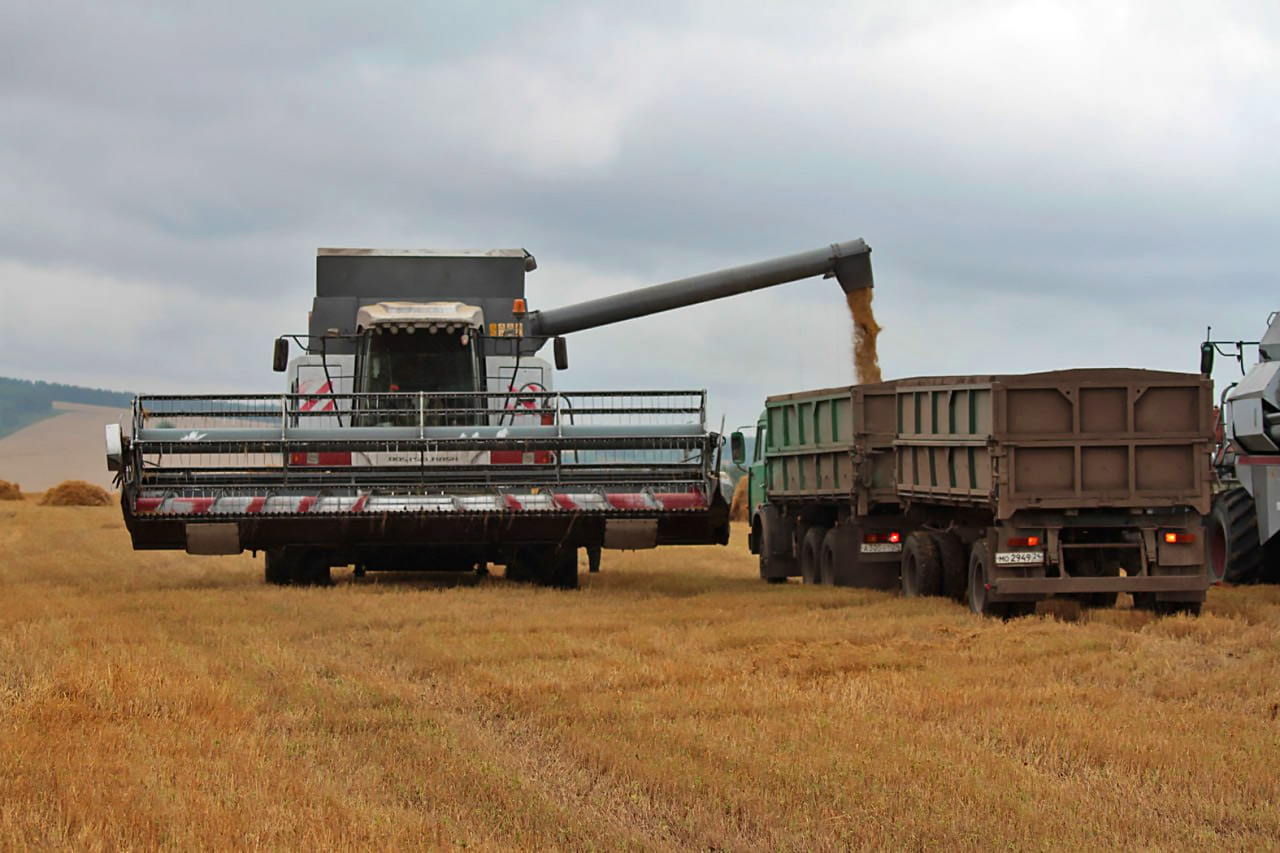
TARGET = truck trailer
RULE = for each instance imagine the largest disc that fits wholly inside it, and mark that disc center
(996, 490)
(420, 431)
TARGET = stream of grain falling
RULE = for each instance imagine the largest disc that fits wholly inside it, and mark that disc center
(866, 363)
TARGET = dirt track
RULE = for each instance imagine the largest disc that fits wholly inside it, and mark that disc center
(68, 446)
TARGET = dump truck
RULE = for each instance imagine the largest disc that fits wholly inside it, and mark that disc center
(1244, 525)
(997, 490)
(419, 430)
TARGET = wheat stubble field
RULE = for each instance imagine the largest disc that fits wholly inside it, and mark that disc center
(161, 700)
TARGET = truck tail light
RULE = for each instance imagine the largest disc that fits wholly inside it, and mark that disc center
(1179, 538)
(1024, 541)
(892, 537)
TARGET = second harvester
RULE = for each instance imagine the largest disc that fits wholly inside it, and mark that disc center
(997, 490)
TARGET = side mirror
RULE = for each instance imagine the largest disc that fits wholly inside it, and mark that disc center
(737, 448)
(561, 346)
(1206, 358)
(280, 359)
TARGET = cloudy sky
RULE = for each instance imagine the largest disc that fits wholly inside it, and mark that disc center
(1044, 185)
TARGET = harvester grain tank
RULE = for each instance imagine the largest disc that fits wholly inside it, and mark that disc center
(998, 490)
(421, 431)
(1244, 526)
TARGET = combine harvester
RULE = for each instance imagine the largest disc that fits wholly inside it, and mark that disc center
(421, 432)
(1244, 527)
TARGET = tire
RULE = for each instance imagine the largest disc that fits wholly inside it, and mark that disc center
(811, 555)
(1234, 552)
(310, 568)
(560, 569)
(593, 558)
(277, 567)
(976, 594)
(827, 559)
(955, 569)
(921, 566)
(774, 533)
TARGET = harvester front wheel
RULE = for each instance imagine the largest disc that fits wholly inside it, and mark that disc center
(811, 555)
(278, 567)
(1234, 553)
(921, 566)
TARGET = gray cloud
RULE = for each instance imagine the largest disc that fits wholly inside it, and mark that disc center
(1045, 185)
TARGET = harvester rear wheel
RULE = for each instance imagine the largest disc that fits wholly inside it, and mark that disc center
(1234, 553)
(811, 555)
(921, 566)
(955, 571)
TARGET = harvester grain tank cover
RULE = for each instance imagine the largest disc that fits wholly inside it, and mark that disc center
(419, 315)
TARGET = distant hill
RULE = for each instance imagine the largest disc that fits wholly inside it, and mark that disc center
(23, 402)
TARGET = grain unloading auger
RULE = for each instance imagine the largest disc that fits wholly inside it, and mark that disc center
(420, 430)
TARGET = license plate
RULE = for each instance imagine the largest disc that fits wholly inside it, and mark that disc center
(881, 547)
(1019, 558)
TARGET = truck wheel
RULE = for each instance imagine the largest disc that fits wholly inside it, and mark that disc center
(955, 571)
(811, 555)
(1234, 552)
(827, 559)
(774, 534)
(921, 566)
(979, 601)
(278, 568)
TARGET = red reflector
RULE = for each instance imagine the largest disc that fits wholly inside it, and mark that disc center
(1180, 538)
(1024, 541)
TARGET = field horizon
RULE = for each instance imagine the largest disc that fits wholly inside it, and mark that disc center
(161, 700)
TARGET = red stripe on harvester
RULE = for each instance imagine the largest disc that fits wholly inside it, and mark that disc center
(149, 504)
(680, 500)
(360, 502)
(255, 505)
(199, 506)
(512, 503)
(628, 501)
(564, 502)
(306, 502)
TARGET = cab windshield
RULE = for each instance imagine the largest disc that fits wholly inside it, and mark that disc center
(443, 362)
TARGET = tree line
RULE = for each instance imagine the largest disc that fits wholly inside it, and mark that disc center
(23, 401)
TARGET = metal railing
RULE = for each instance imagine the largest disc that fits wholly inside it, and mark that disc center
(421, 442)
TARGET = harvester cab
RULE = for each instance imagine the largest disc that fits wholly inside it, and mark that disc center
(421, 431)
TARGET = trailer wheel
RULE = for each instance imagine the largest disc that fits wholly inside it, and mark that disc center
(955, 571)
(1234, 553)
(921, 566)
(277, 568)
(811, 555)
(979, 600)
